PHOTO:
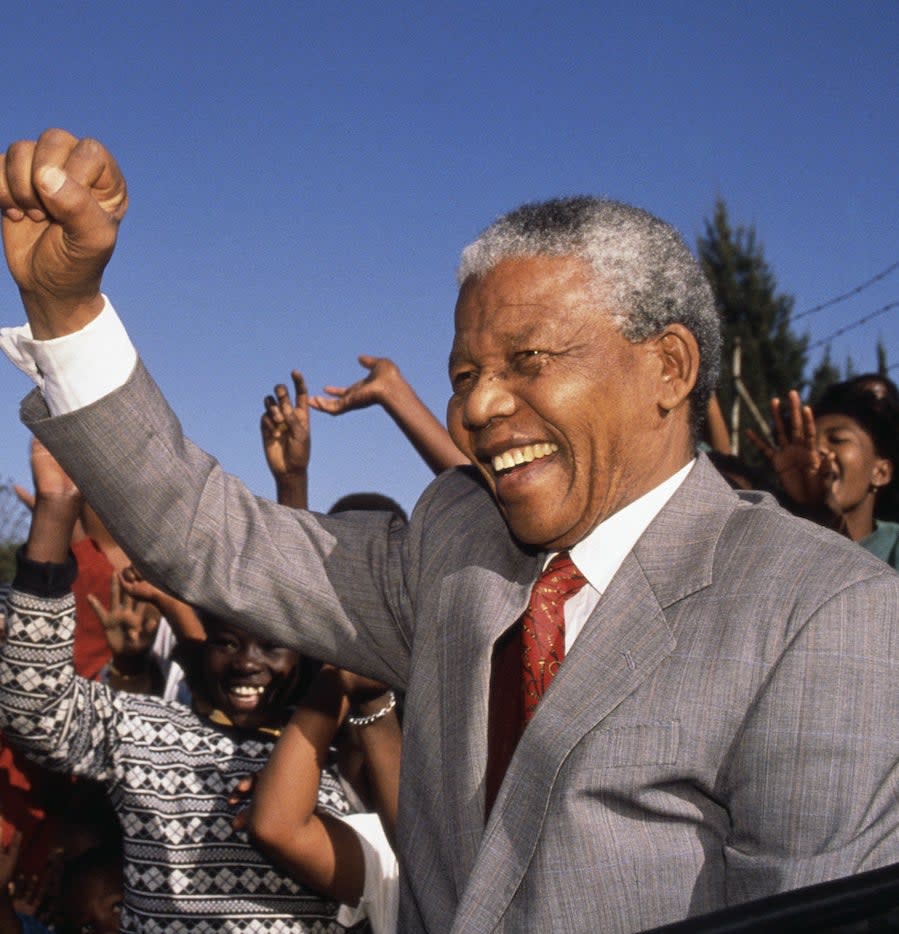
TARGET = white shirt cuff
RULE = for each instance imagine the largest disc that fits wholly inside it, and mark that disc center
(78, 369)
(380, 894)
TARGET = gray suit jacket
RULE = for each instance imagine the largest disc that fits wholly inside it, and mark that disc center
(724, 727)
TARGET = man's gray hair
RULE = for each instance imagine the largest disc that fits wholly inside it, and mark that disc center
(643, 269)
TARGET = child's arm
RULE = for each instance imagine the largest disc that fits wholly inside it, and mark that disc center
(377, 734)
(320, 851)
(386, 386)
(55, 717)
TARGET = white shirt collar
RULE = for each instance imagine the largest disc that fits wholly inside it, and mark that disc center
(602, 552)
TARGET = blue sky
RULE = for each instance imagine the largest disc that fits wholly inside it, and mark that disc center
(303, 176)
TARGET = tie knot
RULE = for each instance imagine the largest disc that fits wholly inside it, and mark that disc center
(560, 577)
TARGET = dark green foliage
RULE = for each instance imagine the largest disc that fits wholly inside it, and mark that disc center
(14, 519)
(773, 356)
(825, 373)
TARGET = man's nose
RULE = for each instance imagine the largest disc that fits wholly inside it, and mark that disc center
(491, 397)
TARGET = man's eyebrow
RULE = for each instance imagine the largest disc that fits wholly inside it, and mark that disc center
(456, 357)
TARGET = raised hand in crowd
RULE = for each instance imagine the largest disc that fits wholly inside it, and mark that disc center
(385, 386)
(130, 626)
(57, 506)
(802, 470)
(181, 616)
(285, 442)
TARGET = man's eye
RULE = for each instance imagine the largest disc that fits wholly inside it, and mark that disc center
(530, 359)
(461, 379)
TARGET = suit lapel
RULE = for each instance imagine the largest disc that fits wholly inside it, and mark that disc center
(480, 604)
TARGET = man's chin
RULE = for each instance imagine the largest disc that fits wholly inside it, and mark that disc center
(534, 534)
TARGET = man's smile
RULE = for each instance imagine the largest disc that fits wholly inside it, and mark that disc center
(526, 454)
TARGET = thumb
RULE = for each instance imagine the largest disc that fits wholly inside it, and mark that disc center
(74, 206)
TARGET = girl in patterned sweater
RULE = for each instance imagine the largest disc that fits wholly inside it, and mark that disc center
(168, 770)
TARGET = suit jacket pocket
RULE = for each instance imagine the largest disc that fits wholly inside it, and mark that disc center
(632, 745)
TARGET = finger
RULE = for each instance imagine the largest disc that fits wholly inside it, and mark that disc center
(19, 194)
(301, 393)
(796, 425)
(151, 619)
(115, 592)
(285, 405)
(811, 431)
(131, 575)
(11, 211)
(97, 606)
(368, 361)
(324, 404)
(273, 419)
(780, 432)
(26, 497)
(267, 427)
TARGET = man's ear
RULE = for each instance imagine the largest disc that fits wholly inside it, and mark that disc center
(678, 353)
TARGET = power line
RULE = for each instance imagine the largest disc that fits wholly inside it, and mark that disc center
(854, 324)
(849, 294)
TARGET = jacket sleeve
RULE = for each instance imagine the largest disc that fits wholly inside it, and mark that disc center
(333, 587)
(55, 717)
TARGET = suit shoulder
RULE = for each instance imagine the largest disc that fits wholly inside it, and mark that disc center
(761, 518)
(454, 497)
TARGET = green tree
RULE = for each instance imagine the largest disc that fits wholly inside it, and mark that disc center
(753, 312)
(14, 518)
(825, 373)
(883, 368)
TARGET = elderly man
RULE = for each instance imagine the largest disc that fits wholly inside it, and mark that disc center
(719, 718)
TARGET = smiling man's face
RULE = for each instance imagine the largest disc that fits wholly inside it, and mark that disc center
(552, 404)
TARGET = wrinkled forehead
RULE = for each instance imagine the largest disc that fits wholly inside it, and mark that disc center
(526, 299)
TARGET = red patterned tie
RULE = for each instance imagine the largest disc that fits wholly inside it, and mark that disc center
(543, 629)
(516, 664)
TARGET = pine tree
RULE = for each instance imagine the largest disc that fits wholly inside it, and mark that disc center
(825, 373)
(883, 368)
(773, 356)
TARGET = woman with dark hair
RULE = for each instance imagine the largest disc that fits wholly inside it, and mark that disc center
(838, 463)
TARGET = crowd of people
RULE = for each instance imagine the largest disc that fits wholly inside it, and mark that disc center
(626, 687)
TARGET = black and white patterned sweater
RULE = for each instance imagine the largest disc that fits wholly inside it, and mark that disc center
(168, 774)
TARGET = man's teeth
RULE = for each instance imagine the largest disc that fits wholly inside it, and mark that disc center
(246, 690)
(530, 452)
